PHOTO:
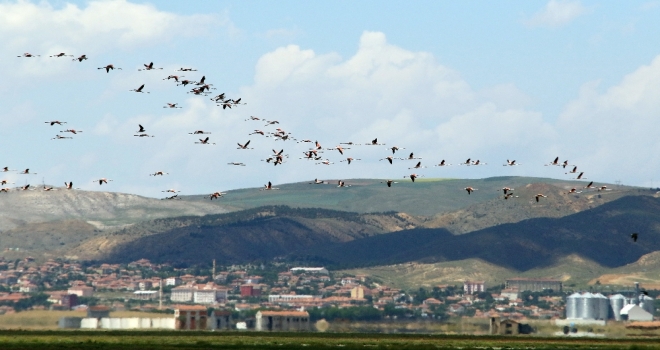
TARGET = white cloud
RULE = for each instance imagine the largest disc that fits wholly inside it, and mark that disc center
(100, 26)
(616, 131)
(556, 13)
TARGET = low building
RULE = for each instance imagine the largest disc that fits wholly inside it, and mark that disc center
(172, 281)
(282, 321)
(220, 320)
(319, 270)
(533, 284)
(145, 294)
(193, 317)
(82, 291)
(472, 287)
(249, 290)
(63, 301)
(632, 312)
(503, 327)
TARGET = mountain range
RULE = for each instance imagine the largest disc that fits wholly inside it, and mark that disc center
(364, 226)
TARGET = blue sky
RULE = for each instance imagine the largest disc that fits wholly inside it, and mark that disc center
(447, 80)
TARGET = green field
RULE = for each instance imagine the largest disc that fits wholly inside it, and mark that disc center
(253, 340)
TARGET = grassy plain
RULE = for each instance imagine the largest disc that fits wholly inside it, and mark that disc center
(253, 340)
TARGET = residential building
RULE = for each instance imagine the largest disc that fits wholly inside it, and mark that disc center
(319, 270)
(472, 287)
(192, 317)
(282, 321)
(172, 281)
(533, 284)
(81, 291)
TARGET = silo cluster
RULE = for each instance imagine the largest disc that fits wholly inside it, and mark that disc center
(588, 306)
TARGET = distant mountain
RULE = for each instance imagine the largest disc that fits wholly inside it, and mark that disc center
(424, 197)
(601, 235)
(260, 233)
(101, 209)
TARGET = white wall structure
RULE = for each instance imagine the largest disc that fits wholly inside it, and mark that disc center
(89, 323)
(145, 323)
(115, 323)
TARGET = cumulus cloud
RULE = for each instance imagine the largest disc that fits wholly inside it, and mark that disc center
(98, 27)
(616, 131)
(556, 13)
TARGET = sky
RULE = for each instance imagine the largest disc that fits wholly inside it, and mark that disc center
(530, 81)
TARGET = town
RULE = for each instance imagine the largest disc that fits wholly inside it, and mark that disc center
(244, 294)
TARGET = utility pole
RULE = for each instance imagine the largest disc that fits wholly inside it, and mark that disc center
(160, 302)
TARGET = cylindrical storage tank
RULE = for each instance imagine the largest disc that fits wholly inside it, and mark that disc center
(573, 306)
(647, 303)
(588, 311)
(603, 306)
(617, 302)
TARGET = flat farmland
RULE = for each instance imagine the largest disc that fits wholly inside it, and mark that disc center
(253, 340)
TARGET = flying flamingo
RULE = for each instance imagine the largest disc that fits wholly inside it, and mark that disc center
(53, 122)
(176, 196)
(579, 177)
(204, 142)
(73, 131)
(509, 195)
(388, 158)
(603, 188)
(27, 54)
(140, 89)
(418, 166)
(540, 195)
(27, 172)
(572, 171)
(159, 173)
(61, 54)
(4, 182)
(187, 70)
(325, 162)
(349, 160)
(215, 195)
(554, 162)
(245, 146)
(317, 182)
(573, 190)
(144, 135)
(102, 181)
(171, 191)
(149, 66)
(236, 163)
(395, 148)
(412, 177)
(69, 185)
(80, 59)
(470, 190)
(590, 185)
(60, 137)
(507, 190)
(374, 142)
(199, 132)
(389, 182)
(511, 163)
(171, 105)
(269, 187)
(108, 68)
(341, 183)
(443, 163)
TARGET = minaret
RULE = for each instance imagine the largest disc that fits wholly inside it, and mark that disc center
(213, 273)
(160, 302)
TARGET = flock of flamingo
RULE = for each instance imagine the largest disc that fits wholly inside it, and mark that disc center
(313, 153)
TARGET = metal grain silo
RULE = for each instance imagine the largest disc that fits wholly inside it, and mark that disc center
(617, 302)
(589, 307)
(573, 306)
(602, 306)
(646, 303)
